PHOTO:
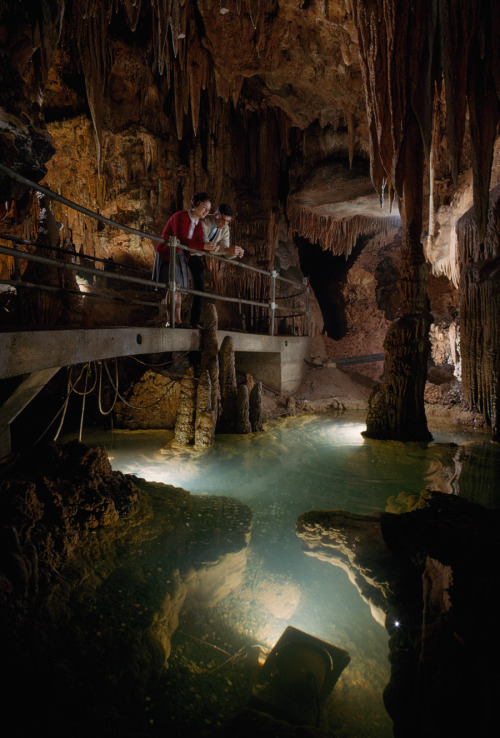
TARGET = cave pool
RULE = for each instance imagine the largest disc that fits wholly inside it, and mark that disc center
(295, 465)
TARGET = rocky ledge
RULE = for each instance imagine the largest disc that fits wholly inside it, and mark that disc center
(430, 573)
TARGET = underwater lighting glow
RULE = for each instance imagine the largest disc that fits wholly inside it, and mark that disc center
(347, 433)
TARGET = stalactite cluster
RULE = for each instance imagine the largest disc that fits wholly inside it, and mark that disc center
(47, 308)
(404, 54)
(339, 236)
(405, 51)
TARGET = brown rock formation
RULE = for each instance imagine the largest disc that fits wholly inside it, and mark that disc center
(243, 424)
(228, 388)
(186, 409)
(151, 403)
(479, 318)
(94, 572)
(400, 92)
(427, 573)
(209, 347)
(255, 413)
(205, 416)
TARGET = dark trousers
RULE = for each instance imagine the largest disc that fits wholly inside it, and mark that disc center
(197, 268)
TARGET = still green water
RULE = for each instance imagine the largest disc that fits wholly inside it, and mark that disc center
(296, 465)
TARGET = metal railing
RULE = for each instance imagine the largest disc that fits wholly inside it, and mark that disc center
(171, 286)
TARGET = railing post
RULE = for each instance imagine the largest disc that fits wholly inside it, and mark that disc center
(274, 274)
(305, 282)
(17, 263)
(172, 242)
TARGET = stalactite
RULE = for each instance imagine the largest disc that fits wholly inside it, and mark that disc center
(339, 236)
(253, 8)
(223, 84)
(237, 84)
(45, 19)
(350, 135)
(161, 22)
(178, 101)
(133, 11)
(92, 20)
(483, 94)
(458, 21)
(174, 25)
(195, 74)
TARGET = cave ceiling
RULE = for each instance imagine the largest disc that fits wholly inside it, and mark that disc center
(129, 106)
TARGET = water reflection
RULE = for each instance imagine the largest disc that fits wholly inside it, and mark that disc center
(294, 466)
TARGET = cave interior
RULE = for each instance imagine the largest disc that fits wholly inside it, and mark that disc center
(357, 142)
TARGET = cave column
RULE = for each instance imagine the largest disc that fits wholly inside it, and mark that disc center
(396, 407)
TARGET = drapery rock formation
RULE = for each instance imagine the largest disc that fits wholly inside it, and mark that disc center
(479, 318)
(129, 108)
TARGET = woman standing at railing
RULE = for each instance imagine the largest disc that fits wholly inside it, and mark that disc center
(186, 226)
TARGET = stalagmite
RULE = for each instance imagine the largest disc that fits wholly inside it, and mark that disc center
(205, 417)
(228, 386)
(209, 346)
(395, 62)
(184, 422)
(243, 422)
(255, 412)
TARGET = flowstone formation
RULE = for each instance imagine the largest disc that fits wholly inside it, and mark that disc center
(479, 317)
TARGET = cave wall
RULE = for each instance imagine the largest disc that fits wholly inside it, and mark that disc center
(144, 104)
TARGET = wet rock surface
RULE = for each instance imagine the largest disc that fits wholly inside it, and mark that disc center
(94, 574)
(430, 570)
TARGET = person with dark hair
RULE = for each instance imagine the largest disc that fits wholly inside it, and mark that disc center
(186, 226)
(216, 230)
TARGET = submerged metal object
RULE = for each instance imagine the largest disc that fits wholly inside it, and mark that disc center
(297, 677)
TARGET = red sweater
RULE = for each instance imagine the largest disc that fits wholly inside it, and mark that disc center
(178, 225)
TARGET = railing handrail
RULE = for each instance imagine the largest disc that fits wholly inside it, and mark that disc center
(75, 254)
(272, 305)
(114, 224)
(15, 254)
